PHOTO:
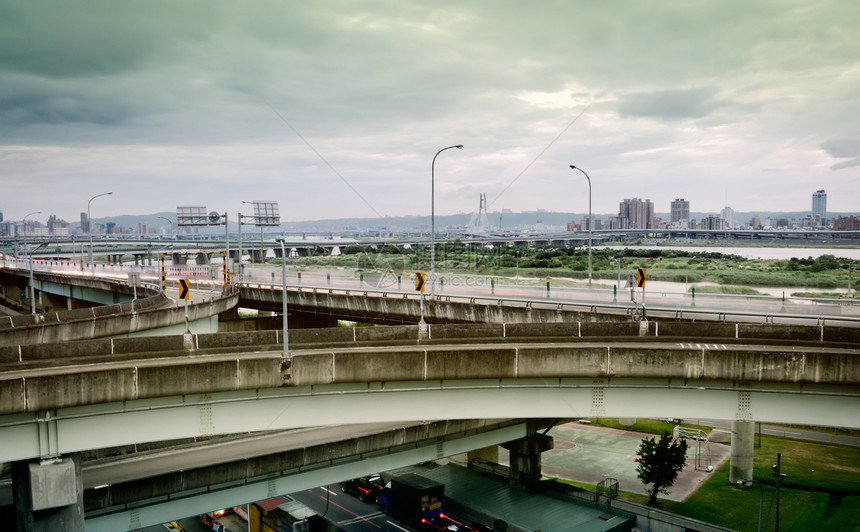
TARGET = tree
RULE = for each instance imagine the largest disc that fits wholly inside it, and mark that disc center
(659, 464)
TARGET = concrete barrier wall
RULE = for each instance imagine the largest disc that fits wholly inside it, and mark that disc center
(181, 375)
(115, 324)
(485, 355)
(397, 309)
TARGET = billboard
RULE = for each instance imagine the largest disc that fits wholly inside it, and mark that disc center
(266, 214)
(191, 216)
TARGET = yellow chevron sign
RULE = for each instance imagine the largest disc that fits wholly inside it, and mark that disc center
(183, 289)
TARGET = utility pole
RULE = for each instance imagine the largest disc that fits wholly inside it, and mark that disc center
(777, 472)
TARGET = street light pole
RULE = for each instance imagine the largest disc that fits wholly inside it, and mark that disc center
(760, 497)
(168, 220)
(32, 283)
(433, 219)
(24, 223)
(286, 352)
(590, 221)
(90, 225)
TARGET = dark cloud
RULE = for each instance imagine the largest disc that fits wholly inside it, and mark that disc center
(671, 104)
(843, 149)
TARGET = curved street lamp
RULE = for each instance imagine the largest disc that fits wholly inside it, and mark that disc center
(168, 220)
(590, 221)
(90, 225)
(747, 482)
(433, 219)
(24, 222)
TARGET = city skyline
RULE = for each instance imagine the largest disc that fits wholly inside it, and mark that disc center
(336, 109)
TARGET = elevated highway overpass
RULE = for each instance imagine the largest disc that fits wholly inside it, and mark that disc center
(308, 243)
(76, 307)
(62, 400)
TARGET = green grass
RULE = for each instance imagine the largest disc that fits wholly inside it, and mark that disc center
(821, 490)
(648, 426)
(822, 486)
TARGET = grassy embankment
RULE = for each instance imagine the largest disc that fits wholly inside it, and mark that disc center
(821, 490)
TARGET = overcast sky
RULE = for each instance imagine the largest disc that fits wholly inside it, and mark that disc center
(336, 108)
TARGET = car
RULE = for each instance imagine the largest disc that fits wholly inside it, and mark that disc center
(365, 488)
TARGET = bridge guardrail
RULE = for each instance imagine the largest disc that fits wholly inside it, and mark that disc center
(562, 305)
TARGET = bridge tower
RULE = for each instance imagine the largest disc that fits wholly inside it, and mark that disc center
(479, 222)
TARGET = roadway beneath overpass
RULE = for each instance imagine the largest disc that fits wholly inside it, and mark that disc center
(129, 493)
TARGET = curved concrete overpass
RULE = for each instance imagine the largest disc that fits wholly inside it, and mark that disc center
(115, 392)
(109, 309)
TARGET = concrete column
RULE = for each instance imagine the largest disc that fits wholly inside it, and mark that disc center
(488, 454)
(49, 495)
(741, 458)
(525, 463)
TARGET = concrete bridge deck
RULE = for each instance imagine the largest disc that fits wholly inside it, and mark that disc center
(69, 398)
(108, 308)
(523, 370)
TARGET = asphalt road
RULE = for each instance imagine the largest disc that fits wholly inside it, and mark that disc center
(347, 511)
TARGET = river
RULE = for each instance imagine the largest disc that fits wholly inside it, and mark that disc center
(774, 253)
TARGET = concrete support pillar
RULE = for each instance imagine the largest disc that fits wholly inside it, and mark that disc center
(180, 259)
(49, 495)
(741, 458)
(488, 454)
(202, 259)
(525, 463)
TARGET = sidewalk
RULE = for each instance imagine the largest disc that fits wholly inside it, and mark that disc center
(589, 454)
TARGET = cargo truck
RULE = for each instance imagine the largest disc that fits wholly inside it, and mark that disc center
(412, 499)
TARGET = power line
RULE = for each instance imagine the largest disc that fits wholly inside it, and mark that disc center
(323, 159)
(540, 154)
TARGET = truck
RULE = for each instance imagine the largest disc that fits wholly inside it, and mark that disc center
(412, 499)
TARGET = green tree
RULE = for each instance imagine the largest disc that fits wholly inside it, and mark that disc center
(659, 464)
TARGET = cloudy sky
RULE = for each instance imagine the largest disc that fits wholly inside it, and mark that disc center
(336, 108)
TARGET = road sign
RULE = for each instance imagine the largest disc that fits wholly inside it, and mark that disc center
(419, 281)
(640, 277)
(183, 289)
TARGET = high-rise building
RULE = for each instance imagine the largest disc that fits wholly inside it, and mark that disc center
(728, 216)
(680, 210)
(713, 223)
(85, 223)
(819, 205)
(637, 213)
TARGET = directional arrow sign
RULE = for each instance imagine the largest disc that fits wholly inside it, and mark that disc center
(183, 289)
(640, 277)
(419, 281)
